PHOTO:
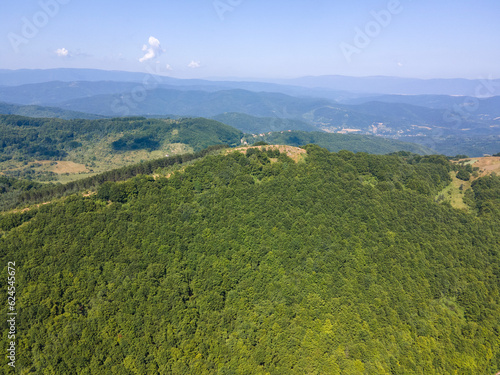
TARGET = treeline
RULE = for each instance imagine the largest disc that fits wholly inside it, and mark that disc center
(38, 193)
(11, 189)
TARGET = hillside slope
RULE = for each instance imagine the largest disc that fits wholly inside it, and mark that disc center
(338, 142)
(257, 125)
(36, 148)
(28, 144)
(254, 264)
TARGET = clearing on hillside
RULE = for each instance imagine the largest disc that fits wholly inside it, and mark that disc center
(294, 153)
(454, 192)
(487, 165)
(66, 167)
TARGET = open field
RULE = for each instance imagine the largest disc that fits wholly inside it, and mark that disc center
(66, 167)
(454, 192)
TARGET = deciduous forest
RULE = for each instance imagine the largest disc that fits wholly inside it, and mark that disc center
(252, 263)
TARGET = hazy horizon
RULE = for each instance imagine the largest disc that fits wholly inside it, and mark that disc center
(256, 79)
(255, 40)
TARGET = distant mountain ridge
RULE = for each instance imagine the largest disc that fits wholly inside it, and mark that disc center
(386, 118)
(424, 112)
(482, 87)
(149, 79)
(44, 112)
(490, 105)
(339, 84)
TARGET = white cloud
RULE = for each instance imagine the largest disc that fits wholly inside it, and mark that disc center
(194, 64)
(153, 49)
(168, 67)
(62, 52)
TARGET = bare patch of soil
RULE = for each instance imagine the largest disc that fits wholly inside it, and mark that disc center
(68, 167)
(487, 165)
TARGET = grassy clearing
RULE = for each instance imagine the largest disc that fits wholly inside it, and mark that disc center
(87, 161)
(101, 157)
(454, 192)
(486, 165)
(61, 167)
(295, 153)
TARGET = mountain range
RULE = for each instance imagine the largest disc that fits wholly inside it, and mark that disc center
(369, 105)
(340, 84)
(125, 99)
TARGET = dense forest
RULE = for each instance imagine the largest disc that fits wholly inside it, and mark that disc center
(252, 263)
(49, 138)
(23, 192)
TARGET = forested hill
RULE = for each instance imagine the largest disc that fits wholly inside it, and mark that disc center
(337, 142)
(51, 137)
(256, 125)
(45, 112)
(101, 145)
(252, 263)
(51, 149)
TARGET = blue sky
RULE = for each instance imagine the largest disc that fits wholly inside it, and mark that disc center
(255, 38)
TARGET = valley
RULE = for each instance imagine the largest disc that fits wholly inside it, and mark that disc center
(37, 149)
(259, 107)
